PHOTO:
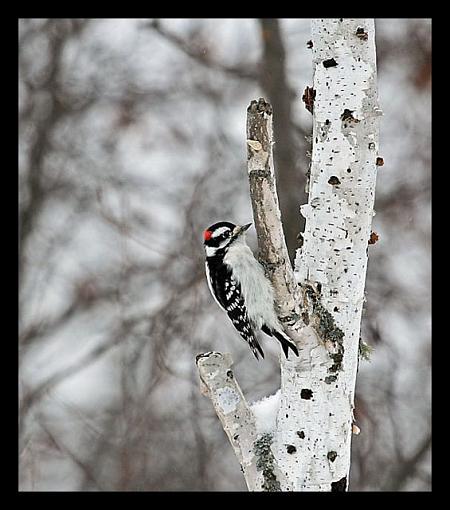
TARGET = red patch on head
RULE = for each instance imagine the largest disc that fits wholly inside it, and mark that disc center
(207, 235)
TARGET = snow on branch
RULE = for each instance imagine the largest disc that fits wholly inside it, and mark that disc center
(265, 413)
(252, 449)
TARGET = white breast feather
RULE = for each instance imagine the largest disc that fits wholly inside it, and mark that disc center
(256, 288)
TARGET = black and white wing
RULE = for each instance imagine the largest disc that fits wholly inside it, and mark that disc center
(227, 293)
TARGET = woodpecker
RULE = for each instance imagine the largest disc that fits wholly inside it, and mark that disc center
(240, 287)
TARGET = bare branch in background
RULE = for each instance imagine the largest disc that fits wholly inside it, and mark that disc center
(289, 148)
(39, 391)
(200, 54)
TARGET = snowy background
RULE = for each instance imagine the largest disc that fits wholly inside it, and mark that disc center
(131, 142)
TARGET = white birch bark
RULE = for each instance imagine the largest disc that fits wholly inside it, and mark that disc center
(321, 304)
(334, 253)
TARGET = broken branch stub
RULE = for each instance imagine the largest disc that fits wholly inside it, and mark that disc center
(232, 409)
(273, 253)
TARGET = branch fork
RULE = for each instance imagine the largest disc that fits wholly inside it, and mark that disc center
(255, 451)
(320, 304)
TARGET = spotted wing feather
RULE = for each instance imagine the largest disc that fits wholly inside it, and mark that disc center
(227, 292)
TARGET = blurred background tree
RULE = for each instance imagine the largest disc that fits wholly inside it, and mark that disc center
(131, 142)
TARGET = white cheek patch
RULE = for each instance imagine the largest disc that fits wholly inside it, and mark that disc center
(210, 251)
(220, 231)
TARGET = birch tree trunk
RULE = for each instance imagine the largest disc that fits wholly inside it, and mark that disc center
(308, 446)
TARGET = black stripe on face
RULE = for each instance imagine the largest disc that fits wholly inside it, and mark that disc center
(220, 240)
(216, 241)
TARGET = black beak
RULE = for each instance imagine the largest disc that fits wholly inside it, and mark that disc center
(239, 230)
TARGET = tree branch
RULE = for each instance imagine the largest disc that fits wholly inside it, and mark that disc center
(237, 419)
(401, 475)
(31, 398)
(201, 56)
(273, 253)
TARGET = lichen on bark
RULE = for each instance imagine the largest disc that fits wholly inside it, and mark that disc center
(325, 326)
(266, 463)
(364, 350)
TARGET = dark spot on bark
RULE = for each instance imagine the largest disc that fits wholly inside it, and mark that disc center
(261, 173)
(331, 456)
(348, 115)
(334, 181)
(301, 434)
(361, 34)
(373, 238)
(306, 393)
(308, 98)
(309, 44)
(329, 63)
(291, 448)
(340, 485)
(327, 122)
(230, 374)
(337, 359)
(335, 309)
(330, 379)
(348, 170)
(236, 437)
(371, 146)
(380, 162)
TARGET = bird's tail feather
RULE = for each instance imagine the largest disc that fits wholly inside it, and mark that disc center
(255, 347)
(285, 343)
(284, 340)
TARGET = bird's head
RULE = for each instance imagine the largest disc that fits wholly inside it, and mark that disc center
(221, 235)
